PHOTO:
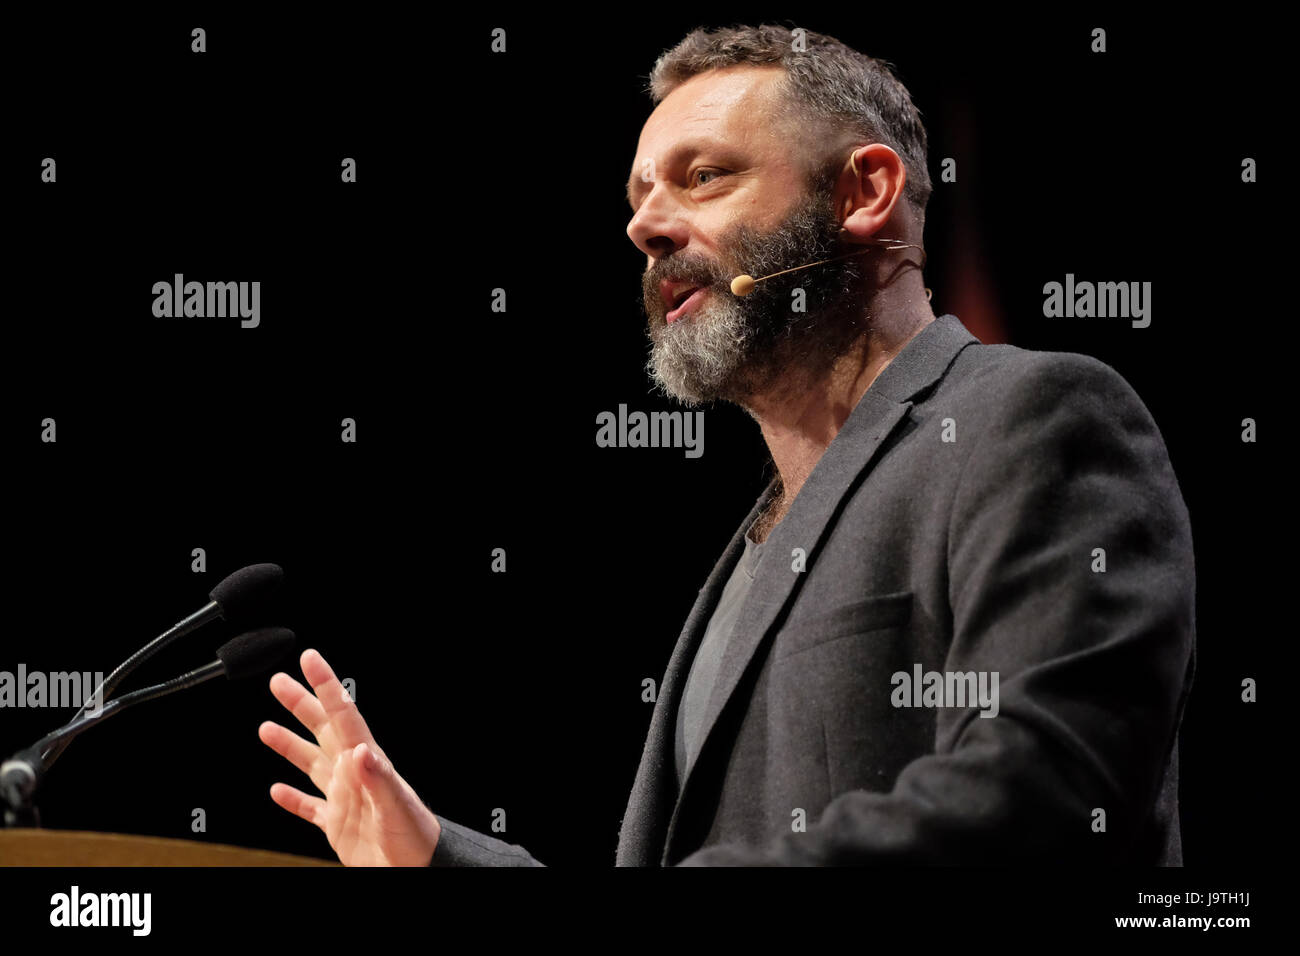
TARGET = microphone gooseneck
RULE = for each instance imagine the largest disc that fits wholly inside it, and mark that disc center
(236, 598)
(243, 656)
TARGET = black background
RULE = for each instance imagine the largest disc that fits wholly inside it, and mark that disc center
(476, 429)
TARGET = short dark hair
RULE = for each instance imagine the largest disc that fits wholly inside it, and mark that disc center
(855, 93)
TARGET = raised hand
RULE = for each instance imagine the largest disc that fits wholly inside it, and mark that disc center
(370, 815)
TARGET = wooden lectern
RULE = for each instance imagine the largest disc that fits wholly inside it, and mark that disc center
(37, 847)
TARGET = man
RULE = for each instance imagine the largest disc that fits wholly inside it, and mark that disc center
(957, 627)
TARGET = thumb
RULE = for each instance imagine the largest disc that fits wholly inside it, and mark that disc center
(374, 770)
(381, 781)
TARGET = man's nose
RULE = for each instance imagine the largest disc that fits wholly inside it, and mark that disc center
(658, 227)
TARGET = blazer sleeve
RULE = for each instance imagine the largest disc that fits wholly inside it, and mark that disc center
(1094, 665)
(460, 846)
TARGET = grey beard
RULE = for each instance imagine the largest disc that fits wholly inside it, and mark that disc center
(732, 348)
(701, 360)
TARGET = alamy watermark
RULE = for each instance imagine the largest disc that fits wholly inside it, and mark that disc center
(57, 689)
(75, 908)
(653, 430)
(1098, 300)
(923, 688)
(211, 300)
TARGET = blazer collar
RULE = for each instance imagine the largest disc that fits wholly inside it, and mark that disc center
(921, 362)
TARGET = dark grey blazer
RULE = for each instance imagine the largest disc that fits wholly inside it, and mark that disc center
(959, 523)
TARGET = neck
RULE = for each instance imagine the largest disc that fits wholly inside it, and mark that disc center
(799, 419)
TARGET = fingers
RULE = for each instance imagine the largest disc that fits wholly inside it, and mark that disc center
(291, 747)
(338, 706)
(311, 809)
(299, 702)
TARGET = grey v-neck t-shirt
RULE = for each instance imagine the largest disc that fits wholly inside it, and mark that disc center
(708, 657)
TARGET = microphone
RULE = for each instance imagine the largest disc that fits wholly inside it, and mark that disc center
(743, 285)
(244, 656)
(237, 599)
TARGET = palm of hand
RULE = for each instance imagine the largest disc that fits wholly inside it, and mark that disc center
(369, 814)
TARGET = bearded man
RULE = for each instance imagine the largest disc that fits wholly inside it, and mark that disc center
(958, 625)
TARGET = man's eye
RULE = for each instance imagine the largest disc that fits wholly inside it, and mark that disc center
(697, 177)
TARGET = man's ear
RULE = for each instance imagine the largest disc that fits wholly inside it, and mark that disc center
(870, 187)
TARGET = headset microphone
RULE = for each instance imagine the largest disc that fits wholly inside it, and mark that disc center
(743, 285)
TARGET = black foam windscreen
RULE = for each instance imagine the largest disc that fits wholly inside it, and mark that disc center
(253, 652)
(242, 594)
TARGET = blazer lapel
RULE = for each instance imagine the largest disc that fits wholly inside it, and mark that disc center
(845, 462)
(774, 582)
(654, 809)
(641, 835)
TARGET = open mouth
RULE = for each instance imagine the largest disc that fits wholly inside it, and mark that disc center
(680, 298)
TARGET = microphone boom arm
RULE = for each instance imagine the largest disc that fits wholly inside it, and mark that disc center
(204, 615)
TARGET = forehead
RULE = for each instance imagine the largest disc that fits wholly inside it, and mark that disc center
(736, 105)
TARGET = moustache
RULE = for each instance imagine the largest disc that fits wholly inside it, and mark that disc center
(693, 269)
